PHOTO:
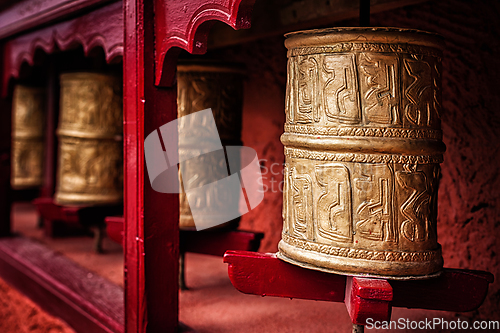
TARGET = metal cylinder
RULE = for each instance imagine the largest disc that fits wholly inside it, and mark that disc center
(28, 118)
(363, 144)
(90, 167)
(203, 85)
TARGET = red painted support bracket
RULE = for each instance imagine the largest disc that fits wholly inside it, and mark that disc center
(368, 298)
(265, 275)
(212, 242)
(53, 212)
(114, 228)
(72, 215)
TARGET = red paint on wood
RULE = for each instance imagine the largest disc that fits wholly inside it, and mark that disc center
(212, 242)
(102, 27)
(133, 138)
(6, 193)
(84, 216)
(151, 218)
(186, 24)
(368, 298)
(264, 274)
(50, 144)
(454, 290)
(114, 228)
(53, 212)
(372, 288)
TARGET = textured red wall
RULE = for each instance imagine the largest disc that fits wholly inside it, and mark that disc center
(469, 193)
(469, 209)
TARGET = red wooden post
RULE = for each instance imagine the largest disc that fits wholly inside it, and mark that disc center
(151, 218)
(133, 132)
(5, 142)
(368, 298)
(50, 144)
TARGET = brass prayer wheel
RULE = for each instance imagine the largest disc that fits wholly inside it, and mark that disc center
(363, 144)
(203, 85)
(28, 119)
(90, 169)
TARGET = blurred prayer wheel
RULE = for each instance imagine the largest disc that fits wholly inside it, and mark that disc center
(90, 169)
(203, 85)
(27, 137)
(363, 144)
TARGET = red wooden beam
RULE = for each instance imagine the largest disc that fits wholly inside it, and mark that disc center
(213, 242)
(265, 275)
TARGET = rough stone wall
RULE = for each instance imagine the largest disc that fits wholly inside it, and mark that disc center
(469, 207)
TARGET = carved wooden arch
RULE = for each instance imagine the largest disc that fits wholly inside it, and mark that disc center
(186, 24)
(100, 28)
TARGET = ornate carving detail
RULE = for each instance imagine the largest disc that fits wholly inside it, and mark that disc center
(417, 208)
(363, 132)
(302, 205)
(360, 253)
(189, 31)
(382, 132)
(374, 190)
(90, 135)
(63, 36)
(366, 47)
(28, 120)
(362, 158)
(334, 208)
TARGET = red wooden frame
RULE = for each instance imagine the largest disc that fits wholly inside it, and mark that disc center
(151, 218)
(149, 34)
(151, 290)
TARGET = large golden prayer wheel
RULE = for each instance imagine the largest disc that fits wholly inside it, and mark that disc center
(90, 169)
(203, 85)
(363, 144)
(28, 120)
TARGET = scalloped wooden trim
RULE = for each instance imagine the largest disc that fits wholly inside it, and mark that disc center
(186, 24)
(100, 28)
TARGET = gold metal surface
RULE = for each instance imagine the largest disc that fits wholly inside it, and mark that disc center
(219, 87)
(363, 144)
(90, 168)
(28, 119)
